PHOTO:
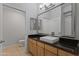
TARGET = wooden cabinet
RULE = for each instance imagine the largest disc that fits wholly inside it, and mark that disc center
(40, 49)
(64, 53)
(49, 53)
(34, 50)
(32, 47)
(50, 50)
(78, 53)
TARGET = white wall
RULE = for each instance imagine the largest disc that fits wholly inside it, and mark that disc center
(31, 11)
(1, 36)
(20, 6)
(13, 25)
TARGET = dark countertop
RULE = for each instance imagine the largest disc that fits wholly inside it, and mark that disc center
(57, 44)
(37, 35)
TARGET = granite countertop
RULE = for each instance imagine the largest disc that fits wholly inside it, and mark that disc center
(37, 35)
(57, 44)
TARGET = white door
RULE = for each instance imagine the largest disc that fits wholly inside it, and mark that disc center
(13, 25)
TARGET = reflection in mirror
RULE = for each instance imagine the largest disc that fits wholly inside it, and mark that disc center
(67, 25)
(58, 20)
(51, 22)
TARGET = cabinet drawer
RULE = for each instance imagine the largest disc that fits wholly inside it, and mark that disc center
(64, 53)
(48, 53)
(40, 44)
(51, 49)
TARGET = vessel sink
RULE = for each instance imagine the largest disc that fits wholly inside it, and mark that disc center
(49, 39)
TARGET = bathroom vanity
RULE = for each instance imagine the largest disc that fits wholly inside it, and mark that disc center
(38, 47)
(63, 20)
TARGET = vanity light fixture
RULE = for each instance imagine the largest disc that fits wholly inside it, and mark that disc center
(46, 6)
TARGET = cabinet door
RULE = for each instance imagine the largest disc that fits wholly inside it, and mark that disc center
(48, 53)
(40, 51)
(32, 47)
(78, 54)
(40, 44)
(40, 48)
(64, 53)
(34, 50)
(51, 49)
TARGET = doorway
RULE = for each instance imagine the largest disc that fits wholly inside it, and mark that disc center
(13, 25)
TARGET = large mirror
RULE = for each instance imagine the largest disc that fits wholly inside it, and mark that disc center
(51, 21)
(58, 21)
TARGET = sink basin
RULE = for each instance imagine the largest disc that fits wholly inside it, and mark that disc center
(49, 39)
